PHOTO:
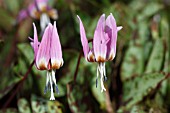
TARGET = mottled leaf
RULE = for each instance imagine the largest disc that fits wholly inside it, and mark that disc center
(79, 99)
(23, 106)
(149, 10)
(135, 90)
(137, 109)
(133, 62)
(40, 105)
(156, 58)
(9, 110)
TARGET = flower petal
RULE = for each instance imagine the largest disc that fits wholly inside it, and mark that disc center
(84, 40)
(99, 41)
(32, 42)
(33, 12)
(90, 56)
(35, 41)
(53, 13)
(22, 15)
(111, 30)
(119, 28)
(41, 4)
(55, 51)
(43, 54)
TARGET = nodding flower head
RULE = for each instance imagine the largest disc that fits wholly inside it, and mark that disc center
(103, 45)
(48, 54)
(39, 9)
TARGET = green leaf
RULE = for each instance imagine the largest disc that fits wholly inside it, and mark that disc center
(7, 81)
(21, 68)
(23, 106)
(156, 57)
(149, 10)
(24, 30)
(144, 33)
(133, 62)
(40, 105)
(54, 107)
(6, 21)
(9, 110)
(142, 86)
(12, 6)
(137, 109)
(100, 97)
(77, 97)
(27, 51)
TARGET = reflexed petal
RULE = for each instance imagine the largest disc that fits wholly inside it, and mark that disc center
(33, 12)
(84, 40)
(22, 15)
(99, 41)
(32, 42)
(55, 51)
(41, 4)
(111, 30)
(43, 54)
(119, 28)
(53, 14)
(35, 41)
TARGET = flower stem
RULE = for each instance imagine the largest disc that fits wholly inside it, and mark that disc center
(78, 63)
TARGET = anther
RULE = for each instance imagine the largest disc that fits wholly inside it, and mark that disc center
(105, 78)
(96, 82)
(45, 90)
(56, 88)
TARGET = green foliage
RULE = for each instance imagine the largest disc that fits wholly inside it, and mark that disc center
(133, 58)
(141, 86)
(23, 106)
(138, 77)
(156, 57)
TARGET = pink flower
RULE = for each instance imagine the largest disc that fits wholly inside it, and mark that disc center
(48, 54)
(103, 46)
(39, 9)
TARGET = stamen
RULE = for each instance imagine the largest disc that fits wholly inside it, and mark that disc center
(54, 81)
(52, 93)
(49, 87)
(44, 20)
(56, 88)
(50, 83)
(96, 82)
(101, 69)
(104, 71)
(105, 78)
(45, 90)
(47, 83)
(97, 75)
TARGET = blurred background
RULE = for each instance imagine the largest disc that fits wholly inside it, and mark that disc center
(138, 77)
